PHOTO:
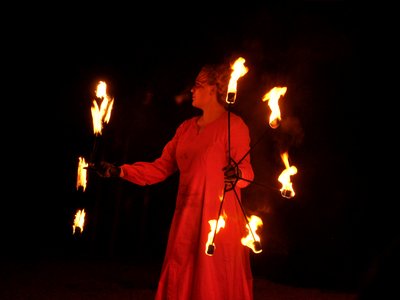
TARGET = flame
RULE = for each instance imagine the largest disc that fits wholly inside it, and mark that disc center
(79, 220)
(273, 97)
(239, 70)
(102, 114)
(82, 174)
(284, 178)
(252, 240)
(214, 228)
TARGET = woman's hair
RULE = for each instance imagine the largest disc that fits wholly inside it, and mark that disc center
(219, 75)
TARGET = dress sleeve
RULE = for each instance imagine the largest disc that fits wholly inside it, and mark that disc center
(147, 173)
(240, 151)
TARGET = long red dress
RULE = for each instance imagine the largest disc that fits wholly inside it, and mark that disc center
(188, 273)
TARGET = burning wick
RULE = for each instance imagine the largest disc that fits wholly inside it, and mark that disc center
(231, 98)
(274, 123)
(100, 116)
(210, 249)
(273, 97)
(257, 246)
(238, 70)
(79, 221)
(287, 190)
(214, 229)
(287, 193)
(81, 181)
(252, 240)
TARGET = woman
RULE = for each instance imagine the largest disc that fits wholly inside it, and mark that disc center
(199, 151)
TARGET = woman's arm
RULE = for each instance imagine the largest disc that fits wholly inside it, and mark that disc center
(147, 173)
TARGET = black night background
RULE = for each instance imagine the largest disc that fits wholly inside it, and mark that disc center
(331, 235)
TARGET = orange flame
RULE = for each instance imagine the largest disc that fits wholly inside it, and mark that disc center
(79, 220)
(273, 97)
(214, 228)
(82, 174)
(284, 178)
(102, 114)
(239, 70)
(252, 240)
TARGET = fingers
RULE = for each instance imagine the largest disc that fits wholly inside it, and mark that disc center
(231, 171)
(231, 176)
(104, 169)
(228, 186)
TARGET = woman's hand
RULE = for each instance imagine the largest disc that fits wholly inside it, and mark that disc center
(232, 174)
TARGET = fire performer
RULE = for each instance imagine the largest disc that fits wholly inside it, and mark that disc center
(199, 151)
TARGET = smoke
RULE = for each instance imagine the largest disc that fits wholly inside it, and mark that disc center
(289, 134)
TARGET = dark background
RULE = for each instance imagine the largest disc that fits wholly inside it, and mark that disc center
(330, 234)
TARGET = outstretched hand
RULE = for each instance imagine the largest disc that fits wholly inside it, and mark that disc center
(107, 170)
(232, 174)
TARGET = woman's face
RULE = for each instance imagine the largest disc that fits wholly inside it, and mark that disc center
(202, 92)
